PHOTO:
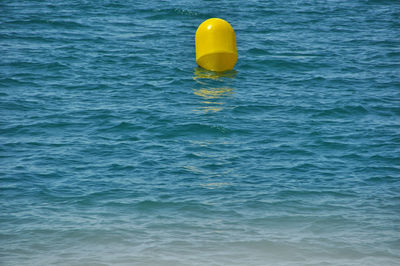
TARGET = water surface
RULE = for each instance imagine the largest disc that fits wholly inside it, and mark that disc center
(116, 149)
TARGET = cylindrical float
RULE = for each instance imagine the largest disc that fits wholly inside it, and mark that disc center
(216, 45)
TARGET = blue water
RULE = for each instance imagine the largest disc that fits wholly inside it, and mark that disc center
(116, 149)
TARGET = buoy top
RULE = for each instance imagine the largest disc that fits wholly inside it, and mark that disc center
(216, 45)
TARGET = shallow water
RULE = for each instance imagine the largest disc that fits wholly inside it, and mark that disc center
(117, 150)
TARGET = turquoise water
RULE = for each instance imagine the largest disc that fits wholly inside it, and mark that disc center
(117, 150)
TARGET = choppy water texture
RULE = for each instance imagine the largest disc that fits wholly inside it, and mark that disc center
(117, 150)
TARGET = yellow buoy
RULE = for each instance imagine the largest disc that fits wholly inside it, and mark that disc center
(216, 45)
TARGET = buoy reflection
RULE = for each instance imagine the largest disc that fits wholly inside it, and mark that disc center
(211, 95)
(201, 73)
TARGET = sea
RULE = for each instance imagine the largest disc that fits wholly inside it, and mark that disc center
(117, 149)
